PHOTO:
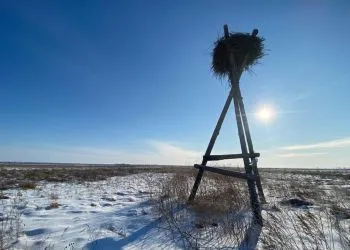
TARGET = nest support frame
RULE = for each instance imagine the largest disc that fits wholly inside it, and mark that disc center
(248, 155)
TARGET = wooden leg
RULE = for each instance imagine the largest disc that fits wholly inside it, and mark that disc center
(211, 144)
(218, 125)
(250, 145)
(196, 185)
(254, 201)
(258, 184)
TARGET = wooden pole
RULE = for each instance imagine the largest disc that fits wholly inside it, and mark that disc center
(234, 78)
(248, 168)
(218, 125)
(250, 146)
(211, 145)
(248, 135)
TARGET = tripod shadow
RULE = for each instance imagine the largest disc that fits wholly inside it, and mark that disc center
(251, 237)
(149, 232)
(139, 235)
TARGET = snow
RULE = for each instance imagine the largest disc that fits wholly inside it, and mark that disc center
(118, 213)
(115, 214)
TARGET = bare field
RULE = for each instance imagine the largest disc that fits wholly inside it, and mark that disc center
(12, 175)
(145, 207)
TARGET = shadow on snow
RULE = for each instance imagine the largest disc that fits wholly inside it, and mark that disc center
(249, 242)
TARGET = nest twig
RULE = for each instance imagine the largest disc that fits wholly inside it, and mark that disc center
(247, 50)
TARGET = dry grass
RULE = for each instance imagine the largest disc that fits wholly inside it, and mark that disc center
(53, 205)
(53, 196)
(10, 223)
(218, 215)
(323, 225)
(304, 229)
(208, 220)
(13, 177)
(27, 185)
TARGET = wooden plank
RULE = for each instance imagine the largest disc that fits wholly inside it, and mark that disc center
(229, 156)
(226, 172)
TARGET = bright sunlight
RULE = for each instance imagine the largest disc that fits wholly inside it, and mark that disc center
(265, 113)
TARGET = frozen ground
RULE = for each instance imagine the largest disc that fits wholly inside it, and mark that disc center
(110, 214)
(117, 213)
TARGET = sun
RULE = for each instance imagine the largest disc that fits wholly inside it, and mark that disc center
(265, 113)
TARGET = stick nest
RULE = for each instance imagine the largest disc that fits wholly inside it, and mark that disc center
(242, 45)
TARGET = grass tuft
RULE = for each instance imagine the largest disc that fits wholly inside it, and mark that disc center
(27, 185)
(53, 205)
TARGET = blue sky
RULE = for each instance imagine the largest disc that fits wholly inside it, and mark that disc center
(130, 81)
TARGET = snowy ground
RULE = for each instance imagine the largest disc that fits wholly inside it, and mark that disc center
(117, 213)
(111, 214)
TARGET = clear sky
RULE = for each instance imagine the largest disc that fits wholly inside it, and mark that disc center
(130, 81)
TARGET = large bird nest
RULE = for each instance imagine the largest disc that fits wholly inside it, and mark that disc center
(247, 49)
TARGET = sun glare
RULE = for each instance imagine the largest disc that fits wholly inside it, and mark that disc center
(265, 113)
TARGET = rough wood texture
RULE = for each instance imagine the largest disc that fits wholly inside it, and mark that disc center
(226, 172)
(251, 173)
(211, 144)
(250, 146)
(218, 125)
(254, 201)
(196, 185)
(234, 78)
(229, 156)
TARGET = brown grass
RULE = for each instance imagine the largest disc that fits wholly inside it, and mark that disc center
(27, 185)
(220, 201)
(304, 229)
(53, 205)
(14, 177)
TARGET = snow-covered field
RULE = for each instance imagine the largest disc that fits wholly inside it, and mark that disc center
(118, 213)
(109, 214)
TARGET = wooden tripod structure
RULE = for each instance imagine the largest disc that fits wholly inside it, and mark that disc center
(248, 155)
